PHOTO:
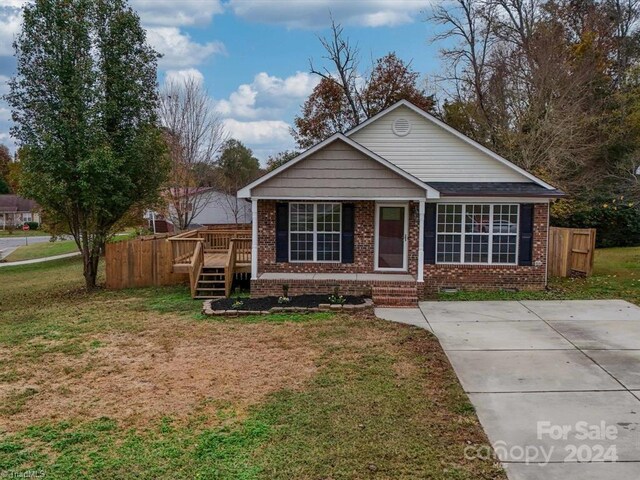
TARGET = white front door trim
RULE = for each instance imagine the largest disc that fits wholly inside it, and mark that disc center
(405, 238)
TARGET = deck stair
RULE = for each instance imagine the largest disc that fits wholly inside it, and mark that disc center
(213, 258)
(211, 283)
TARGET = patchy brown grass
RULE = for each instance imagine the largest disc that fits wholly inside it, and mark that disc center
(137, 384)
(170, 368)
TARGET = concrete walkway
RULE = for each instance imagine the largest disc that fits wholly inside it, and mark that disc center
(39, 260)
(556, 384)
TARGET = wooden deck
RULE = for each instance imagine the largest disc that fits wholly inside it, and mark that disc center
(219, 260)
(212, 258)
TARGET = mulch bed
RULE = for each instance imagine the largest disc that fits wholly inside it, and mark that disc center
(266, 303)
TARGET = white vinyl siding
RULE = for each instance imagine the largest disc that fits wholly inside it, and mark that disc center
(477, 233)
(430, 153)
(315, 232)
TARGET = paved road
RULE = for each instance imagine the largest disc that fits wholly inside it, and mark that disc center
(9, 244)
(544, 374)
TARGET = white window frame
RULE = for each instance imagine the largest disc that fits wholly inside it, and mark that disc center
(315, 232)
(490, 234)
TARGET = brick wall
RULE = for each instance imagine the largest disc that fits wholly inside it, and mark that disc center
(467, 277)
(489, 277)
(363, 248)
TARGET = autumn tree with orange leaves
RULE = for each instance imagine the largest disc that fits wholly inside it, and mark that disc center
(344, 98)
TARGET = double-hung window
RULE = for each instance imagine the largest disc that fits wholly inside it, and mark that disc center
(477, 233)
(314, 232)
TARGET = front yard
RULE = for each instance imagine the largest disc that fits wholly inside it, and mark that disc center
(137, 384)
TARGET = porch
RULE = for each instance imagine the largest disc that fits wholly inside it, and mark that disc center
(212, 257)
(391, 289)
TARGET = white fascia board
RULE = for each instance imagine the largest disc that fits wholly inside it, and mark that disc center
(343, 199)
(454, 132)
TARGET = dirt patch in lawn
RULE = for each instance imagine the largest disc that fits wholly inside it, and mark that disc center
(173, 368)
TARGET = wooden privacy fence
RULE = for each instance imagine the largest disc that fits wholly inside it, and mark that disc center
(571, 251)
(141, 262)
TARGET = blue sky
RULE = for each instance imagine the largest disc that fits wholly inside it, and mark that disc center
(253, 55)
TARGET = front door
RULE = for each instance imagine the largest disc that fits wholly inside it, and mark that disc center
(391, 237)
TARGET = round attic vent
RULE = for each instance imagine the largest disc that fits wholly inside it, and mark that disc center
(401, 127)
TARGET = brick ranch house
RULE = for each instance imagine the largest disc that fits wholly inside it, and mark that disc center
(399, 207)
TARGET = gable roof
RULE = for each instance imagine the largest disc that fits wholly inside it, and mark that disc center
(245, 192)
(430, 118)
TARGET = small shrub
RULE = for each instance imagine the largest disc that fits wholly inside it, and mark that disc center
(336, 298)
(32, 225)
(237, 305)
(284, 300)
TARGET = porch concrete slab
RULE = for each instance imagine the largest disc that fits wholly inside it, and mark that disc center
(335, 276)
(476, 311)
(385, 277)
(601, 334)
(408, 316)
(624, 365)
(513, 420)
(529, 371)
(574, 471)
(498, 335)
(584, 310)
(286, 276)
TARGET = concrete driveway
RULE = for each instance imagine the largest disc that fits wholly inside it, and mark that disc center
(553, 382)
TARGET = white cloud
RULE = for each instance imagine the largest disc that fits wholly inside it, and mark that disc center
(267, 96)
(5, 114)
(4, 85)
(315, 13)
(10, 20)
(180, 76)
(258, 132)
(172, 13)
(178, 50)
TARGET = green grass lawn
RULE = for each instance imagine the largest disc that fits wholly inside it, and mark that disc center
(21, 233)
(41, 250)
(138, 384)
(616, 275)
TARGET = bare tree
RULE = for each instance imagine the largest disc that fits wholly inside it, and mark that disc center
(194, 134)
(344, 56)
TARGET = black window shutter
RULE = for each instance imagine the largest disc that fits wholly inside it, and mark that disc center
(282, 232)
(526, 234)
(348, 228)
(430, 233)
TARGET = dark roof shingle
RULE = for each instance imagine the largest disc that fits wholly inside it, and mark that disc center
(13, 203)
(494, 189)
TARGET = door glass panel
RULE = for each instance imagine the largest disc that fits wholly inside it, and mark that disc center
(391, 237)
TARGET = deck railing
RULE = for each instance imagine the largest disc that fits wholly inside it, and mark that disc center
(239, 253)
(195, 267)
(189, 248)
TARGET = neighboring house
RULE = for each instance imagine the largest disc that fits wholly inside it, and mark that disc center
(214, 208)
(400, 206)
(15, 210)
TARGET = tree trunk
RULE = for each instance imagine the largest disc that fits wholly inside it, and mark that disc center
(91, 259)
